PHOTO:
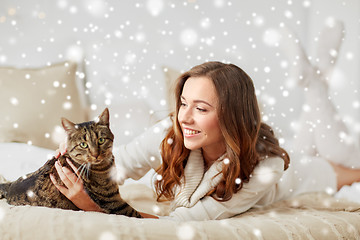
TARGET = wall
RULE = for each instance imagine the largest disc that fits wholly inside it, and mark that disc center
(127, 43)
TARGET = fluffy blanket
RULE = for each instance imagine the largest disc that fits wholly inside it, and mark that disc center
(309, 216)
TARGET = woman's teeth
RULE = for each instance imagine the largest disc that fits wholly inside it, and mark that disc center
(190, 132)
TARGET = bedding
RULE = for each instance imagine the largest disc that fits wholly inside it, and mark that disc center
(308, 216)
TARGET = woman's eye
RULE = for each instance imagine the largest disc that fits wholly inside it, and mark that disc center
(201, 109)
(83, 145)
(101, 140)
(183, 104)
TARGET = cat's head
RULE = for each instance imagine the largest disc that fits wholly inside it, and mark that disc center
(89, 142)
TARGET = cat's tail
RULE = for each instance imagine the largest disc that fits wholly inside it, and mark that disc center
(4, 188)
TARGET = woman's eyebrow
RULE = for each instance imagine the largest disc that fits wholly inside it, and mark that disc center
(198, 101)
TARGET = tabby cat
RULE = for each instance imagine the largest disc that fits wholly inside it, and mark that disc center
(90, 150)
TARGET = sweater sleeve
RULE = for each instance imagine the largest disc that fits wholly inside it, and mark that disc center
(136, 158)
(260, 190)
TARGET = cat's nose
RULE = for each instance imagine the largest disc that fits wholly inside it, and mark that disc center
(95, 153)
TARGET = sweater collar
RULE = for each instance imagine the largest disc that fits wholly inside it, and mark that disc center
(196, 182)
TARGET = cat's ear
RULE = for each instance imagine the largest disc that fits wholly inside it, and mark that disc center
(68, 125)
(104, 117)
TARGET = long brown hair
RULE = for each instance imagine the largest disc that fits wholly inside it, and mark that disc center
(247, 139)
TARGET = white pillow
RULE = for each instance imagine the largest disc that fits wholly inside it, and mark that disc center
(34, 100)
(171, 76)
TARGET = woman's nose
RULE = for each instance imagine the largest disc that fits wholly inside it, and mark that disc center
(185, 116)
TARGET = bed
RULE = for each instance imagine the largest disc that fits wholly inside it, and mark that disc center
(24, 149)
(308, 216)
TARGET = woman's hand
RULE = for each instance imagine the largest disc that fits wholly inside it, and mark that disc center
(74, 188)
(62, 149)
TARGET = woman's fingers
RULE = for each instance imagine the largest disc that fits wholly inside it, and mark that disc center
(64, 175)
(62, 147)
(73, 177)
(73, 183)
(57, 153)
(73, 167)
(74, 188)
(61, 150)
(62, 189)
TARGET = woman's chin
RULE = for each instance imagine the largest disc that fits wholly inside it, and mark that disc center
(192, 147)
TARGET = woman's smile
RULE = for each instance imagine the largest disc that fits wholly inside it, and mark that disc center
(191, 132)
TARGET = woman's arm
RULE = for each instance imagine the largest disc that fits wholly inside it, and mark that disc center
(75, 192)
(135, 159)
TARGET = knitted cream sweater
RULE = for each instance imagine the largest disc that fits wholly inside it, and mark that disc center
(196, 184)
(267, 184)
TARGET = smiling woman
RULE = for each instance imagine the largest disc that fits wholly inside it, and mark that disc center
(218, 159)
(216, 113)
(199, 120)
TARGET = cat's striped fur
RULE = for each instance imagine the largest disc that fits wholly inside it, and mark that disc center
(90, 150)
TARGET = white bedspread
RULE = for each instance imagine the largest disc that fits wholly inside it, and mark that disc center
(308, 216)
(18, 159)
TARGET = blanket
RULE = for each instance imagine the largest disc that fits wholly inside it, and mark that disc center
(308, 216)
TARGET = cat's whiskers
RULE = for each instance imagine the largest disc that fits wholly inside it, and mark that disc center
(88, 165)
(81, 170)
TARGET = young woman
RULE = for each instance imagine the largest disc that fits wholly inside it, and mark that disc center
(217, 159)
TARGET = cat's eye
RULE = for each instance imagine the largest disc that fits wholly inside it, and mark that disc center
(101, 140)
(83, 145)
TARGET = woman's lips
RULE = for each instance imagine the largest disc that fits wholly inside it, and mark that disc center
(190, 132)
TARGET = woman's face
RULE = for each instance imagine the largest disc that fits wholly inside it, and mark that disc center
(198, 116)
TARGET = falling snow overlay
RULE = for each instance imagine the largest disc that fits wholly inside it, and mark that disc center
(123, 47)
(124, 50)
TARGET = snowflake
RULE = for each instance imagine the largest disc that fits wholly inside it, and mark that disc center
(205, 23)
(188, 37)
(62, 4)
(219, 3)
(67, 105)
(107, 236)
(140, 37)
(170, 141)
(14, 101)
(155, 7)
(185, 232)
(74, 53)
(267, 69)
(93, 107)
(271, 37)
(97, 8)
(258, 21)
(257, 232)
(162, 102)
(156, 209)
(226, 161)
(30, 194)
(130, 58)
